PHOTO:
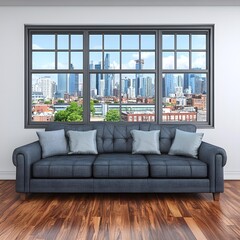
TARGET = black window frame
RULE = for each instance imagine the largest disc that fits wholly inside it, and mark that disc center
(158, 71)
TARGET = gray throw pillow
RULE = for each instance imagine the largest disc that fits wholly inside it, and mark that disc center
(82, 142)
(53, 143)
(186, 143)
(145, 142)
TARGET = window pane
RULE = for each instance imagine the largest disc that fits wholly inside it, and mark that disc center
(182, 60)
(69, 86)
(95, 41)
(168, 60)
(138, 88)
(111, 60)
(148, 42)
(105, 94)
(52, 94)
(130, 41)
(63, 41)
(76, 42)
(95, 59)
(130, 60)
(182, 41)
(111, 42)
(167, 42)
(198, 60)
(43, 60)
(148, 60)
(43, 89)
(77, 60)
(43, 41)
(63, 60)
(184, 97)
(75, 85)
(138, 97)
(198, 41)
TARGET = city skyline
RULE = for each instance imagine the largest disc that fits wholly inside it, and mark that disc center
(109, 57)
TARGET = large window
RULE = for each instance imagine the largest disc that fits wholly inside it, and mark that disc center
(160, 74)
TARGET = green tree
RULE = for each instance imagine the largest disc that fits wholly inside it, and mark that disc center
(73, 112)
(60, 116)
(112, 115)
(74, 117)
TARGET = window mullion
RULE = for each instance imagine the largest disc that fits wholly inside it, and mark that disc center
(159, 85)
(86, 76)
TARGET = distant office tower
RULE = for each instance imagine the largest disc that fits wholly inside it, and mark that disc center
(45, 85)
(98, 78)
(101, 87)
(200, 85)
(149, 87)
(170, 83)
(73, 83)
(62, 85)
(139, 66)
(189, 83)
(108, 77)
(125, 85)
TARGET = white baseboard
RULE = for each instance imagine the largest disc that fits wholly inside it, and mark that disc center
(11, 175)
(7, 175)
(232, 175)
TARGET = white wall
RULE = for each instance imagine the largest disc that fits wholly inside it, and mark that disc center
(227, 65)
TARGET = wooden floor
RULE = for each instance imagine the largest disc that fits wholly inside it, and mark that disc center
(120, 216)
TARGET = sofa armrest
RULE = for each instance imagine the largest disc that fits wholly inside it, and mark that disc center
(208, 152)
(216, 159)
(23, 157)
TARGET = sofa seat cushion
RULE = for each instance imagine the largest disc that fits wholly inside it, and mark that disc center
(69, 166)
(120, 165)
(166, 166)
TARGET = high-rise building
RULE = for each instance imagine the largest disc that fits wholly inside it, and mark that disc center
(98, 78)
(62, 85)
(108, 77)
(170, 82)
(125, 85)
(139, 66)
(45, 85)
(101, 87)
(73, 83)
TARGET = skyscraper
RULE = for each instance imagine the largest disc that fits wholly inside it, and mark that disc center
(98, 78)
(169, 85)
(108, 77)
(45, 85)
(73, 83)
(62, 85)
(139, 66)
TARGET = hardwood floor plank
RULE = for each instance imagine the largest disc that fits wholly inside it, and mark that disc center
(195, 229)
(119, 216)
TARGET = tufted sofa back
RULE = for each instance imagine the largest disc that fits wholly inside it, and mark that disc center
(116, 137)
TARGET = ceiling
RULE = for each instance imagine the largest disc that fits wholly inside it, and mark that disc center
(119, 2)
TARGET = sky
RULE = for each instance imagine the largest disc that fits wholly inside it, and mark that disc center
(175, 51)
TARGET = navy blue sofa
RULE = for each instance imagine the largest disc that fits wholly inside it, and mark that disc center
(116, 169)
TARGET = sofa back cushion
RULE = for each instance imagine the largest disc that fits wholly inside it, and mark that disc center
(116, 137)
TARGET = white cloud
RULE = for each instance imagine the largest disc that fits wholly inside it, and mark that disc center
(145, 55)
(168, 62)
(183, 62)
(130, 65)
(35, 46)
(114, 65)
(199, 61)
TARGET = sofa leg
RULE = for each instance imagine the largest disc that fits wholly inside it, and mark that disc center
(216, 196)
(24, 196)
